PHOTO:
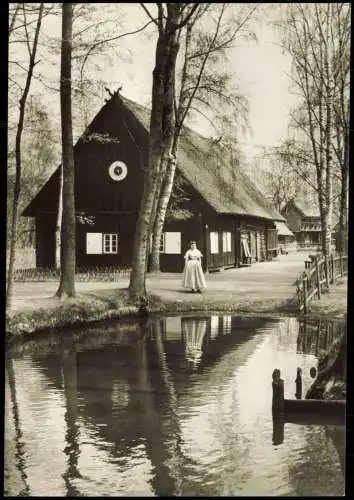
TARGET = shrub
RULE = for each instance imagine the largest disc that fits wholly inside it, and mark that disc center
(108, 274)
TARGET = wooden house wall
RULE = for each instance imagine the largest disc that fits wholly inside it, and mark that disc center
(220, 224)
(121, 224)
(190, 229)
(98, 192)
(45, 240)
(255, 232)
(293, 217)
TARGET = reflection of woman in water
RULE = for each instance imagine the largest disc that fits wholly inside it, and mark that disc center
(193, 276)
(194, 332)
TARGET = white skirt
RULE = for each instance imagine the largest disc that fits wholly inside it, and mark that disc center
(193, 276)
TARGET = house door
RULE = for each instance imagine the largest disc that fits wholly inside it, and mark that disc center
(253, 245)
(258, 246)
(228, 258)
(246, 254)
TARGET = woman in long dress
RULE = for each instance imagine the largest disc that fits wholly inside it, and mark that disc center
(193, 276)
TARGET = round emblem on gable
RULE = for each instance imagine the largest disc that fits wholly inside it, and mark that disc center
(118, 171)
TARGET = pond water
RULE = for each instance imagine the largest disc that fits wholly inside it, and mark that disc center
(178, 406)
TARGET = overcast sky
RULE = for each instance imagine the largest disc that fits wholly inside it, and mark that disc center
(260, 68)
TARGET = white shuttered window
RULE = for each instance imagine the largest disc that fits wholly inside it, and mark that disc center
(214, 242)
(94, 243)
(98, 243)
(172, 243)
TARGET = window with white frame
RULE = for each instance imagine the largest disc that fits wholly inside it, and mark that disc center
(226, 242)
(110, 243)
(99, 243)
(214, 242)
(171, 242)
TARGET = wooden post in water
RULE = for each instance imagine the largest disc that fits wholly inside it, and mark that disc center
(278, 393)
(318, 283)
(304, 284)
(298, 382)
(278, 430)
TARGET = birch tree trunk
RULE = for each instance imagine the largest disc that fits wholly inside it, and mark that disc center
(59, 220)
(343, 217)
(68, 229)
(17, 186)
(168, 179)
(160, 141)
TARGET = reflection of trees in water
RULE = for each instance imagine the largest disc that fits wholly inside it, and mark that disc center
(316, 336)
(159, 415)
(235, 448)
(316, 468)
(72, 435)
(338, 436)
(19, 443)
(285, 330)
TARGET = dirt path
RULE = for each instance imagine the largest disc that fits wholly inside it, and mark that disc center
(259, 286)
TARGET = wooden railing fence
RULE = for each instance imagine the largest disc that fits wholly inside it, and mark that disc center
(322, 272)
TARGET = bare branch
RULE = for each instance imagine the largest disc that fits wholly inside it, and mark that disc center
(188, 16)
(107, 40)
(13, 20)
(149, 15)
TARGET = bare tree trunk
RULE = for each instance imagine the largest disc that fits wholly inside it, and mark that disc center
(68, 230)
(343, 217)
(168, 180)
(17, 186)
(329, 142)
(161, 215)
(161, 134)
(59, 220)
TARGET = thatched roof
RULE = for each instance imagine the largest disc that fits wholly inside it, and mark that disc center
(283, 229)
(209, 169)
(203, 163)
(305, 209)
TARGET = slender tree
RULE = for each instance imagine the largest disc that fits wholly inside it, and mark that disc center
(68, 228)
(310, 35)
(32, 51)
(171, 18)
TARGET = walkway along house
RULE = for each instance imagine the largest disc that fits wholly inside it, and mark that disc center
(219, 207)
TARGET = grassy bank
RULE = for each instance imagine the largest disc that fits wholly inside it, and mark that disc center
(332, 304)
(115, 303)
(261, 290)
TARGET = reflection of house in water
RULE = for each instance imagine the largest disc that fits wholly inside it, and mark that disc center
(316, 335)
(194, 333)
(214, 326)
